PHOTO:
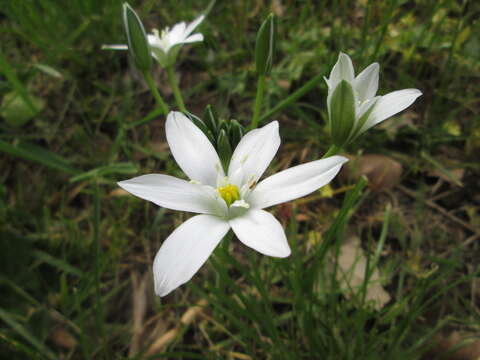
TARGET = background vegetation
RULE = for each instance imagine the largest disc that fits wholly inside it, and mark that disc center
(76, 252)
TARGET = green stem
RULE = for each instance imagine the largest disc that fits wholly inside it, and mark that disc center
(258, 101)
(96, 239)
(293, 97)
(156, 94)
(333, 150)
(176, 91)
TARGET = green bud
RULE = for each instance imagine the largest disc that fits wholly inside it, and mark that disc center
(224, 149)
(342, 113)
(210, 119)
(137, 39)
(201, 125)
(235, 133)
(265, 46)
(224, 125)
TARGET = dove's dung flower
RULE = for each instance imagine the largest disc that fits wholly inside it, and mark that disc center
(232, 199)
(353, 106)
(165, 44)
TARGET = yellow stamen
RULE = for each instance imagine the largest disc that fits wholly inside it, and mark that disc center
(229, 193)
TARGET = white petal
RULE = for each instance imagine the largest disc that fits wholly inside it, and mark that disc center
(260, 230)
(176, 194)
(193, 38)
(364, 107)
(192, 150)
(114, 47)
(342, 70)
(295, 182)
(193, 25)
(390, 104)
(366, 83)
(253, 154)
(177, 34)
(186, 250)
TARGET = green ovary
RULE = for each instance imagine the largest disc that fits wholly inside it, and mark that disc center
(229, 193)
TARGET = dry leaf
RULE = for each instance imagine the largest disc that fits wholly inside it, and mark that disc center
(139, 304)
(278, 8)
(407, 119)
(352, 264)
(187, 318)
(118, 192)
(456, 346)
(383, 173)
(61, 337)
(455, 178)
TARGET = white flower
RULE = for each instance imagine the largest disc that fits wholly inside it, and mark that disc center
(164, 44)
(224, 201)
(369, 109)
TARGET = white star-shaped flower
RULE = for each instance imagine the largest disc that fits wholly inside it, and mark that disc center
(164, 44)
(224, 201)
(369, 108)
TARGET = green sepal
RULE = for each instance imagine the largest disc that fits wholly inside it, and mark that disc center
(265, 46)
(137, 39)
(201, 125)
(342, 113)
(210, 119)
(235, 133)
(224, 149)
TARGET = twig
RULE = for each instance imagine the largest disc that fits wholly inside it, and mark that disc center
(441, 211)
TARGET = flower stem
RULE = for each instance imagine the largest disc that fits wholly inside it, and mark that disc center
(258, 101)
(293, 97)
(154, 90)
(176, 91)
(333, 150)
(97, 260)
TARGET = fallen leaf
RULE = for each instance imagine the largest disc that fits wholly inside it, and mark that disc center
(456, 346)
(118, 192)
(383, 173)
(454, 176)
(352, 264)
(407, 119)
(61, 337)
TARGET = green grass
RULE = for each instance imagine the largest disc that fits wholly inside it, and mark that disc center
(72, 249)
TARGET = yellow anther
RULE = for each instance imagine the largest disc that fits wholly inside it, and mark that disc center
(229, 193)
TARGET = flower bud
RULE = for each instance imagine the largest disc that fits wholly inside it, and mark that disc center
(224, 148)
(137, 39)
(235, 133)
(201, 125)
(265, 46)
(210, 118)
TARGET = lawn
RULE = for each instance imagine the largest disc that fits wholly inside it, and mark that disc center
(384, 259)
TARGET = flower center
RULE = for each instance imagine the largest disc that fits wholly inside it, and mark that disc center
(229, 193)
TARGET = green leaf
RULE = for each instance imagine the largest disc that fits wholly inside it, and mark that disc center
(342, 113)
(265, 46)
(126, 168)
(39, 155)
(17, 112)
(23, 332)
(137, 39)
(12, 78)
